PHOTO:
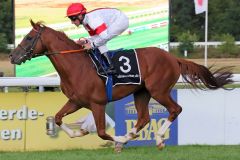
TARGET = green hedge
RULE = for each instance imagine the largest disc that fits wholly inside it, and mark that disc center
(3, 43)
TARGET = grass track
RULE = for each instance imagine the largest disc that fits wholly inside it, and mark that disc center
(195, 152)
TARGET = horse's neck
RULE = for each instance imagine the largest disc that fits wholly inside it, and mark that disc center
(67, 65)
(64, 64)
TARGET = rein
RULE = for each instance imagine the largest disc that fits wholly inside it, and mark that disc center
(29, 53)
(61, 52)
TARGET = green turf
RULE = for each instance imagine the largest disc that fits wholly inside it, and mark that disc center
(36, 67)
(147, 22)
(134, 153)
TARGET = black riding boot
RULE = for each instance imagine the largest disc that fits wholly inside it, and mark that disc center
(111, 69)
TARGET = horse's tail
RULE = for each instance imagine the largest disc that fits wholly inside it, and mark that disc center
(194, 74)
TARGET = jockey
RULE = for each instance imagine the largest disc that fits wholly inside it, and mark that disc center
(102, 24)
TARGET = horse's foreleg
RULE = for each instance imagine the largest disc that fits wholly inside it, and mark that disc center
(67, 109)
(99, 117)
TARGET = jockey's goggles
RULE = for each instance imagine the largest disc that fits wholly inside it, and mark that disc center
(73, 18)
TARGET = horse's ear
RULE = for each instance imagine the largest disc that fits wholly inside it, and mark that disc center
(34, 25)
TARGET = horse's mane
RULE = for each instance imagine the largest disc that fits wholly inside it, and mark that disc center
(59, 34)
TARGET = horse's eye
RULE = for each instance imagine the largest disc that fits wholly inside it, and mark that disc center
(29, 38)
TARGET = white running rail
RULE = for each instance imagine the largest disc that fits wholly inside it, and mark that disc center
(42, 82)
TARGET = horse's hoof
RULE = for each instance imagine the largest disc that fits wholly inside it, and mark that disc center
(160, 146)
(133, 136)
(120, 139)
(80, 133)
(118, 147)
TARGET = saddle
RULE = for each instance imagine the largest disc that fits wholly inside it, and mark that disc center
(125, 63)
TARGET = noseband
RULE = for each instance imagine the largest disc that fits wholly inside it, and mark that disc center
(29, 53)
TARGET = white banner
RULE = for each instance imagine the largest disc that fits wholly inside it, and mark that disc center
(200, 6)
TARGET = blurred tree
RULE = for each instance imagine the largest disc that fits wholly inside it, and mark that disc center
(228, 47)
(186, 40)
(6, 23)
(223, 18)
(3, 42)
(183, 19)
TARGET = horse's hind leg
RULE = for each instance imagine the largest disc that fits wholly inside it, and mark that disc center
(141, 99)
(174, 110)
(159, 84)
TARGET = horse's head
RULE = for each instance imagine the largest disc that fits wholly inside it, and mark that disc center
(30, 46)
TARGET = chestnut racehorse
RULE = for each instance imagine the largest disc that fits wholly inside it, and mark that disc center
(80, 83)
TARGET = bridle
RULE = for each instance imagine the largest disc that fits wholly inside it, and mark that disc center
(29, 53)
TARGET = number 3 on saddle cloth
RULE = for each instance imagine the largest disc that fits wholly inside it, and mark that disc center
(126, 65)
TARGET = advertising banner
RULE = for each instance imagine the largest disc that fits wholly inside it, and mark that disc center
(126, 114)
(23, 123)
(13, 117)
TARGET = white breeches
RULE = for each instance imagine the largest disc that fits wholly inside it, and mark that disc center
(116, 28)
